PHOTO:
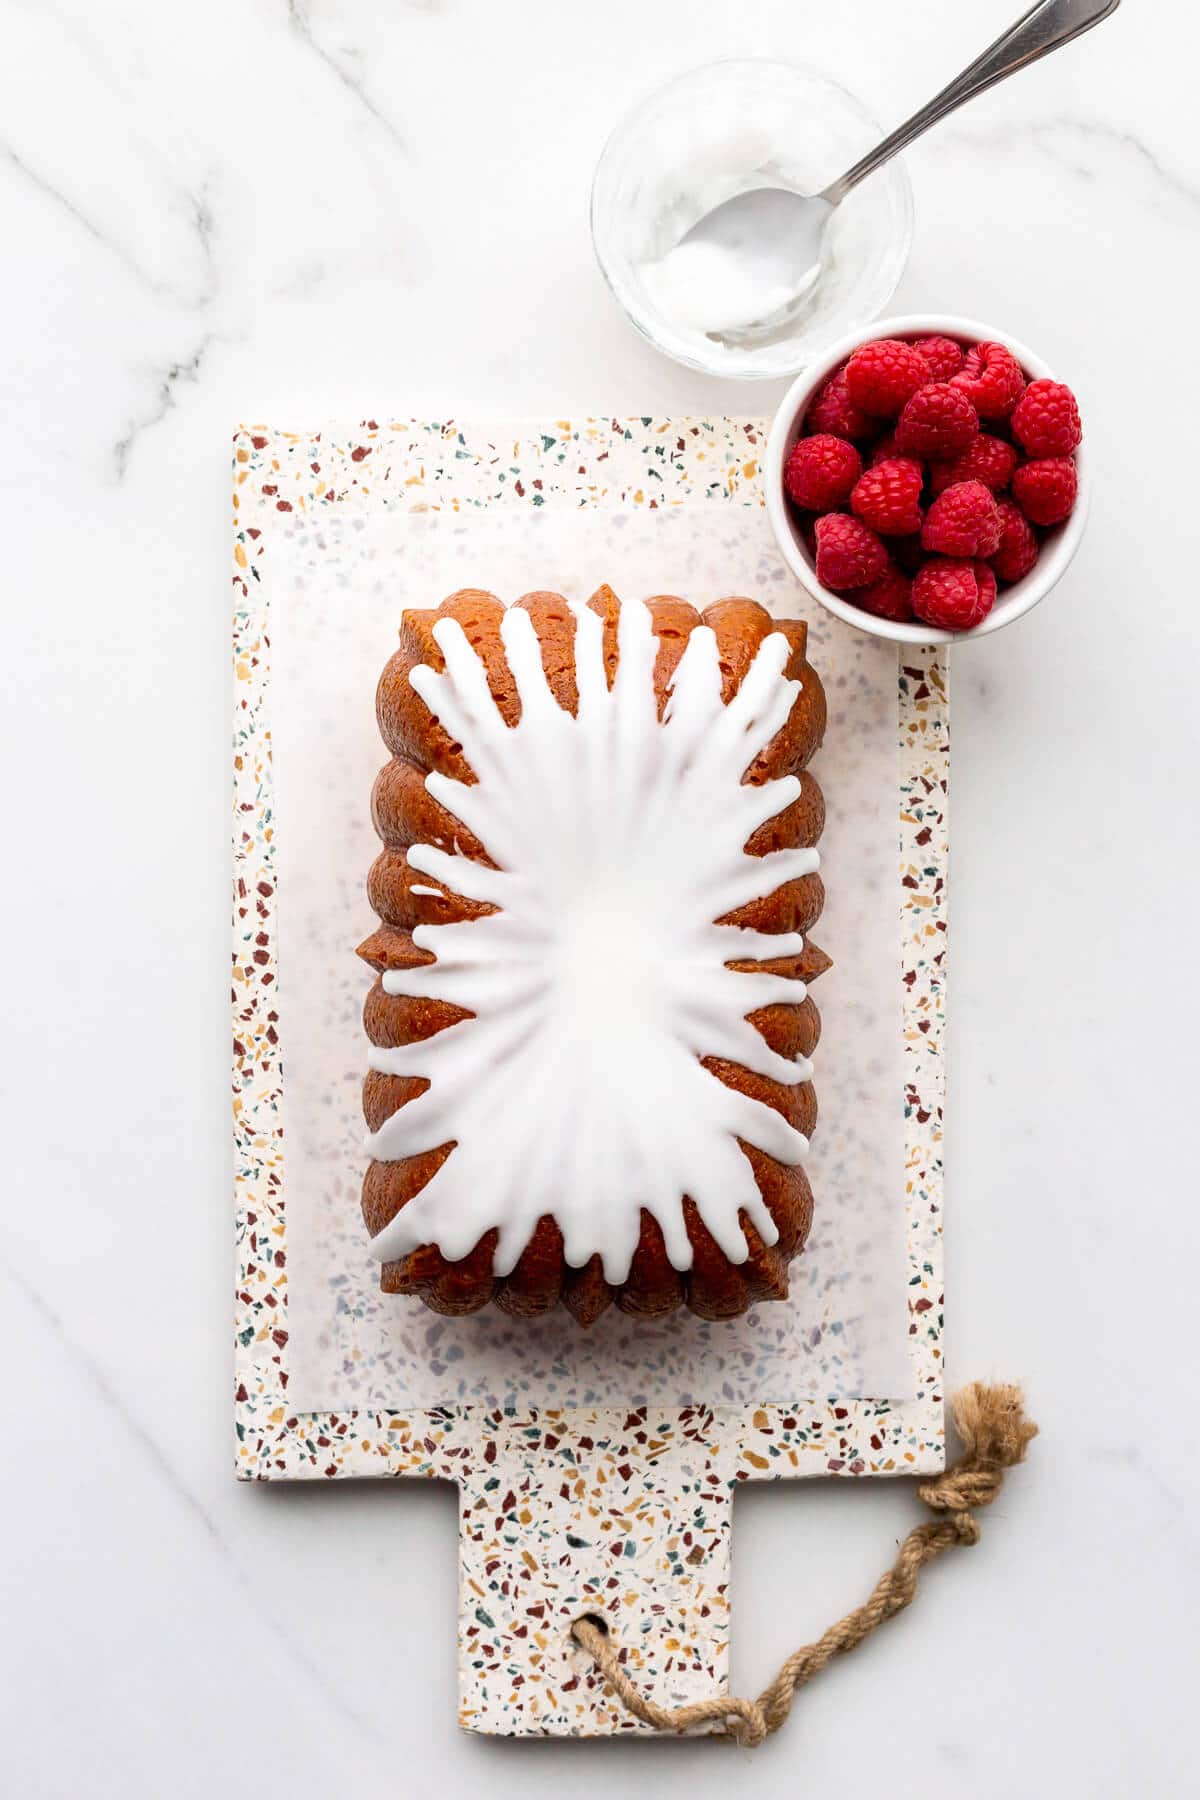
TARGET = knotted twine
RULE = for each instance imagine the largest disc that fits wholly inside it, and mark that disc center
(995, 1436)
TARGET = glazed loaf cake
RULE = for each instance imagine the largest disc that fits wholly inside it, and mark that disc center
(590, 1025)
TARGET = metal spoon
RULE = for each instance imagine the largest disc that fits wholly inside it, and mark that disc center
(777, 234)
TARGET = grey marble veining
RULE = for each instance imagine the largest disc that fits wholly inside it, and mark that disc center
(250, 209)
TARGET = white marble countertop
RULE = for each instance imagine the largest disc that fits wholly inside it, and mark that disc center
(255, 209)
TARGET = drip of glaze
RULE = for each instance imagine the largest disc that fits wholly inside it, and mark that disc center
(577, 1090)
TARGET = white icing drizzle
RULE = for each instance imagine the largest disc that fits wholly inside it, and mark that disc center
(576, 1089)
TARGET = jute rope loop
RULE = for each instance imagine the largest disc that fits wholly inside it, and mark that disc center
(995, 1436)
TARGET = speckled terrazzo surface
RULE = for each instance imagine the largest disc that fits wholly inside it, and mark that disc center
(568, 1510)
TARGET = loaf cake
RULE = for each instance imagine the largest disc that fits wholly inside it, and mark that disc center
(590, 1027)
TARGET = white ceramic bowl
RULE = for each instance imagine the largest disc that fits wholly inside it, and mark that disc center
(1059, 544)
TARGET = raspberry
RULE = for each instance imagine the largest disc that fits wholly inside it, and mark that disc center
(985, 575)
(833, 411)
(942, 356)
(953, 595)
(881, 376)
(821, 470)
(888, 497)
(938, 421)
(1018, 543)
(964, 521)
(992, 379)
(1046, 420)
(1045, 490)
(849, 555)
(988, 459)
(888, 598)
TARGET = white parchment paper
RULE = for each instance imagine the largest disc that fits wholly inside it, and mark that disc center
(335, 609)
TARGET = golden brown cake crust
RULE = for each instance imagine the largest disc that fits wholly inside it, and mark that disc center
(405, 813)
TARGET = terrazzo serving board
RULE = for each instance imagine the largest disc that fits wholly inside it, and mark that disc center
(622, 1511)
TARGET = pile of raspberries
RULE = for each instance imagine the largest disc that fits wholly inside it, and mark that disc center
(926, 472)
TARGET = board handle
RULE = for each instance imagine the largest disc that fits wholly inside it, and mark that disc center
(586, 1513)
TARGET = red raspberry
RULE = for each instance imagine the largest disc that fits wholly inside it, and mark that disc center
(938, 421)
(849, 555)
(884, 448)
(834, 411)
(964, 521)
(992, 379)
(988, 459)
(1046, 420)
(1045, 490)
(1018, 543)
(952, 595)
(888, 598)
(888, 497)
(881, 376)
(821, 470)
(942, 356)
(985, 575)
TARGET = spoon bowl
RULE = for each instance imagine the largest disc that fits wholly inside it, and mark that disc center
(760, 253)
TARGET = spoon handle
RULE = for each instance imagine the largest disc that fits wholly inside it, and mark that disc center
(1045, 27)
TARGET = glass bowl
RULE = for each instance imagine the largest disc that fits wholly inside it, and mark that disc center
(719, 130)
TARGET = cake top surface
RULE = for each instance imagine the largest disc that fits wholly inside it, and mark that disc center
(597, 977)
